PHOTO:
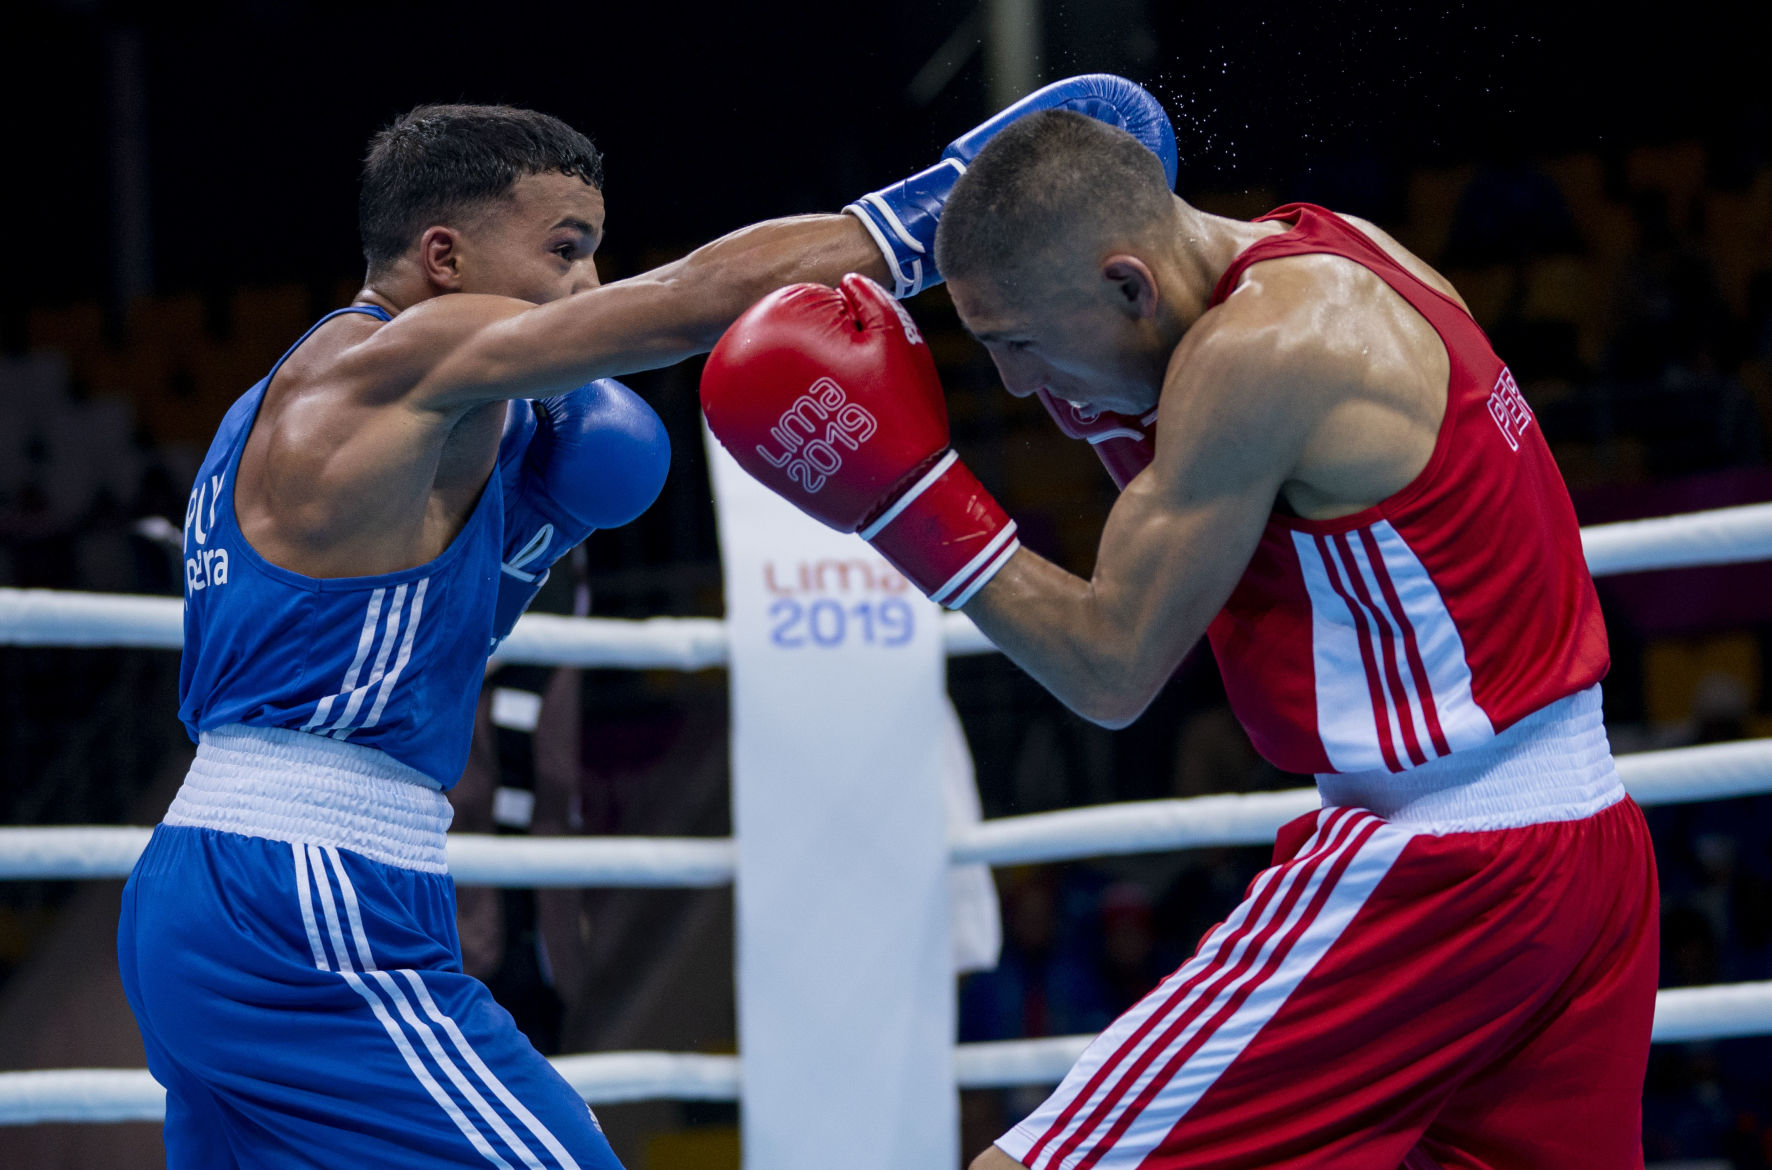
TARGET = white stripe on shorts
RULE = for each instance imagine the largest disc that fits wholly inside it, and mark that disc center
(316, 859)
(437, 1092)
(403, 1005)
(1141, 1076)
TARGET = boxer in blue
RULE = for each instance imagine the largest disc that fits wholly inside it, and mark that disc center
(369, 521)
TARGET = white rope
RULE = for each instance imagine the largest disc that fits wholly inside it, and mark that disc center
(1720, 536)
(1681, 1014)
(608, 1078)
(479, 860)
(1674, 776)
(603, 1078)
(80, 1094)
(71, 851)
(541, 639)
(1134, 826)
(475, 859)
(50, 617)
(1712, 1013)
(1688, 775)
(43, 617)
(1005, 1064)
(103, 1094)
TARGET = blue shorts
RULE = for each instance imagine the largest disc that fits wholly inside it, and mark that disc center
(306, 1007)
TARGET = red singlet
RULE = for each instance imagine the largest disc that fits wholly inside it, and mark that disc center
(1436, 618)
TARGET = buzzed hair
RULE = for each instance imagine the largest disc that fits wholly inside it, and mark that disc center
(437, 163)
(1051, 177)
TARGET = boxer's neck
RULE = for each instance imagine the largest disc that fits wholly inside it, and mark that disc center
(1207, 245)
(398, 286)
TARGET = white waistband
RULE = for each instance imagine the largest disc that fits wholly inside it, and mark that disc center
(1553, 765)
(292, 786)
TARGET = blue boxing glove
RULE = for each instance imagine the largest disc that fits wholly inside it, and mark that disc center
(570, 464)
(902, 217)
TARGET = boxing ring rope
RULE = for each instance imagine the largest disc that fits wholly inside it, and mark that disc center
(42, 617)
(1674, 776)
(55, 852)
(610, 1078)
(49, 618)
(604, 1078)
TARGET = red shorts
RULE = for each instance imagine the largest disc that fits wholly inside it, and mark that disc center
(1388, 998)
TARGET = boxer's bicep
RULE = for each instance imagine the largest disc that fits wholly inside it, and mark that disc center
(430, 356)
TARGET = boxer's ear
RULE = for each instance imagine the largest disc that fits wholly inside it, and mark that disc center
(1131, 284)
(439, 258)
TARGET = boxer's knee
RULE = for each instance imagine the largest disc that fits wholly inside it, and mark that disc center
(995, 1159)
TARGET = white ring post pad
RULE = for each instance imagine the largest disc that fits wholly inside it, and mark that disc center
(845, 960)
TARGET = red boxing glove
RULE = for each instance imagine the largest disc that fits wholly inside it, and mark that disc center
(830, 398)
(1125, 445)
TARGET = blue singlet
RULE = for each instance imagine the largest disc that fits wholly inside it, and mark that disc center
(391, 662)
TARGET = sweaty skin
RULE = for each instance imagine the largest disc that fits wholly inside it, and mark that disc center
(1313, 387)
(374, 441)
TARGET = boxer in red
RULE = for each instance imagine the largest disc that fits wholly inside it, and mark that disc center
(1453, 963)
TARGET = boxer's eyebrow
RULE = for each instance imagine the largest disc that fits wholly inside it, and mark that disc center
(580, 226)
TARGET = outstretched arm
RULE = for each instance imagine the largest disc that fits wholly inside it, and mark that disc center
(459, 350)
(464, 350)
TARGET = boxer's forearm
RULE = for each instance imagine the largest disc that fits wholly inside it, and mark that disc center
(1173, 549)
(680, 309)
(720, 280)
(1054, 625)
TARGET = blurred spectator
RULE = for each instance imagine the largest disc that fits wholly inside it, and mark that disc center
(1721, 706)
(1668, 307)
(1131, 961)
(1685, 1114)
(1757, 327)
(1509, 212)
(1213, 754)
(1688, 948)
(1045, 984)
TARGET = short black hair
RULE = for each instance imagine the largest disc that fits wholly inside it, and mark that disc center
(436, 162)
(1050, 176)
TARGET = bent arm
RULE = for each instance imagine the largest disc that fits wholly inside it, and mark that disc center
(1174, 547)
(464, 349)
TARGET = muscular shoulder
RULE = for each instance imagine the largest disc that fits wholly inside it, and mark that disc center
(1291, 327)
(1242, 392)
(1309, 353)
(1414, 264)
(1332, 321)
(342, 447)
(1316, 356)
(375, 364)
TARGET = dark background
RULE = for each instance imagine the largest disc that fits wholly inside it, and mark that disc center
(178, 198)
(715, 115)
